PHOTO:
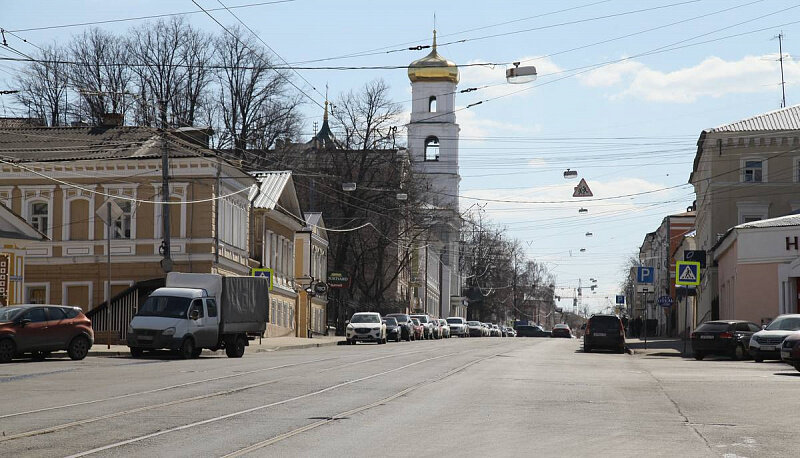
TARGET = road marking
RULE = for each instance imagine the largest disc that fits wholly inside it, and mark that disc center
(257, 408)
(351, 412)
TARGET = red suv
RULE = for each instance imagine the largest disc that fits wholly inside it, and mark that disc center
(42, 329)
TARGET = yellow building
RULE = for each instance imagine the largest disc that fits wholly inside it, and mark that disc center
(15, 235)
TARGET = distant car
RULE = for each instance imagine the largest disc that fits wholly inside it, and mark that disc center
(766, 343)
(508, 332)
(475, 328)
(487, 331)
(458, 326)
(39, 330)
(525, 330)
(393, 329)
(366, 327)
(427, 323)
(495, 330)
(445, 327)
(436, 328)
(790, 350)
(419, 329)
(406, 325)
(561, 330)
(603, 331)
(723, 337)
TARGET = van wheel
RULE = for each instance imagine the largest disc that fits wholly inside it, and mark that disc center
(187, 348)
(236, 350)
(78, 348)
(7, 350)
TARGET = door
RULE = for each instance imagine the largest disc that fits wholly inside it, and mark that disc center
(212, 321)
(59, 329)
(198, 326)
(32, 335)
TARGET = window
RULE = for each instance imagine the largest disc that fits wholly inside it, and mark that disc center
(197, 305)
(36, 315)
(211, 304)
(38, 216)
(56, 313)
(432, 104)
(753, 171)
(122, 226)
(432, 149)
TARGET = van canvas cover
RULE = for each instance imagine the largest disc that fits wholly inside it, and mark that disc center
(243, 301)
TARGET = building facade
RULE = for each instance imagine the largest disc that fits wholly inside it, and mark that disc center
(15, 235)
(745, 171)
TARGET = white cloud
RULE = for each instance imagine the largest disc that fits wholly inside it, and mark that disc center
(536, 162)
(476, 127)
(713, 77)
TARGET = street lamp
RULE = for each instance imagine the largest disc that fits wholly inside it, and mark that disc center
(520, 75)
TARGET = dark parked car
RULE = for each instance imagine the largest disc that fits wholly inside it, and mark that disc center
(790, 350)
(604, 331)
(42, 329)
(561, 330)
(723, 337)
(393, 329)
(406, 326)
(531, 331)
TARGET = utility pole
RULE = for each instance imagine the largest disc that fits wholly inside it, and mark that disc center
(783, 82)
(166, 262)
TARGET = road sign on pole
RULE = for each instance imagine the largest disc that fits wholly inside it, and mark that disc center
(687, 273)
(620, 299)
(644, 275)
(582, 190)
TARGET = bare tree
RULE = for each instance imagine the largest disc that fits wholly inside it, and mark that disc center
(254, 99)
(101, 75)
(157, 52)
(197, 52)
(43, 86)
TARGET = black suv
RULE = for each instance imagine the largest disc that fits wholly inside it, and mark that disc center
(406, 326)
(604, 331)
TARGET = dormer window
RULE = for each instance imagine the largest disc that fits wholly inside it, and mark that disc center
(431, 149)
(432, 104)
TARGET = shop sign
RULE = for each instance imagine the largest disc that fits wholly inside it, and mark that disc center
(338, 279)
(5, 271)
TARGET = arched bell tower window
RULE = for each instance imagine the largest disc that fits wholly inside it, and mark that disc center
(431, 149)
(432, 104)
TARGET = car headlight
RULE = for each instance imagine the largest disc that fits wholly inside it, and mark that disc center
(168, 332)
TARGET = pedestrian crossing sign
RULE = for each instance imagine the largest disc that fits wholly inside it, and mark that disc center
(687, 273)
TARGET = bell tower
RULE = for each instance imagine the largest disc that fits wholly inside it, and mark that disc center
(433, 132)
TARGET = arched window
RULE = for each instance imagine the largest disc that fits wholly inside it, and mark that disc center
(431, 149)
(432, 104)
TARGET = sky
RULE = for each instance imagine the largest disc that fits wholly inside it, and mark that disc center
(624, 89)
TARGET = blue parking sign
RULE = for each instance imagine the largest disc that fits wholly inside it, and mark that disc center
(644, 275)
(620, 299)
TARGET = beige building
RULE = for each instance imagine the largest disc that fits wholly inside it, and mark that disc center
(311, 245)
(60, 179)
(15, 235)
(744, 171)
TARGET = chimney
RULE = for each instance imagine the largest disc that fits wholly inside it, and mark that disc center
(199, 136)
(112, 119)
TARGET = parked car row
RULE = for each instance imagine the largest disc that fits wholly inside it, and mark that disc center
(372, 327)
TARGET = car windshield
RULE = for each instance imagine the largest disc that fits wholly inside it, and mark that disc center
(422, 318)
(365, 319)
(713, 327)
(473, 323)
(785, 324)
(391, 322)
(8, 313)
(165, 306)
(415, 321)
(454, 321)
(401, 318)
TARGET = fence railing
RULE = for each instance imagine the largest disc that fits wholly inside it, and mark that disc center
(110, 319)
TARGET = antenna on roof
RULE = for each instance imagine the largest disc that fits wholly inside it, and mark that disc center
(783, 82)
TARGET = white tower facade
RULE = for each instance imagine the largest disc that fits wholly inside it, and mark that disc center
(433, 146)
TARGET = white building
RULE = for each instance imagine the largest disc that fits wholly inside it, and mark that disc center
(433, 146)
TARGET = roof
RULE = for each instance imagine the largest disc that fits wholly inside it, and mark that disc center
(781, 221)
(12, 226)
(782, 119)
(787, 118)
(49, 144)
(271, 186)
(433, 67)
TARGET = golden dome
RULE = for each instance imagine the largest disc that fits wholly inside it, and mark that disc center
(433, 67)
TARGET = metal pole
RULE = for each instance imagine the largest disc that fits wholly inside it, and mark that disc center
(644, 300)
(216, 216)
(108, 259)
(685, 318)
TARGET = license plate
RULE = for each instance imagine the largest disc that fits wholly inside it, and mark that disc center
(767, 348)
(600, 334)
(706, 337)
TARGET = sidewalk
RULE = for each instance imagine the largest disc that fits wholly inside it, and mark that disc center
(658, 346)
(266, 344)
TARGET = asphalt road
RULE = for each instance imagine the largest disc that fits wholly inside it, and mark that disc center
(467, 397)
